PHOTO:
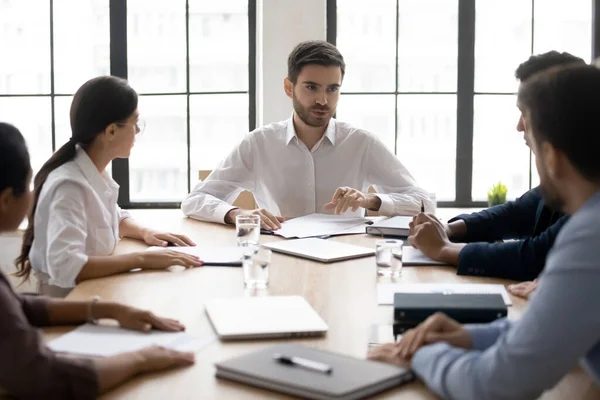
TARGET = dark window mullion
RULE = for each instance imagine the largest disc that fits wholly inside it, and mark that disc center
(595, 29)
(332, 21)
(464, 102)
(52, 108)
(396, 68)
(118, 67)
(531, 51)
(187, 89)
(252, 64)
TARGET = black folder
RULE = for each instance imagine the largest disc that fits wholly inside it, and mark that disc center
(413, 308)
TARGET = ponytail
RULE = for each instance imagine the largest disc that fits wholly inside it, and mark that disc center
(63, 155)
(97, 103)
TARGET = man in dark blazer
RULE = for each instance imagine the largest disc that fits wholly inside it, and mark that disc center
(475, 243)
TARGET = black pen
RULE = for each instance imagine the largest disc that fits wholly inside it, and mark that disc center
(422, 206)
(303, 363)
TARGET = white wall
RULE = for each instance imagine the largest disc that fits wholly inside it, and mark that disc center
(281, 24)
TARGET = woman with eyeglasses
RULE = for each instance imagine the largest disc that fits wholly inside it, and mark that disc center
(75, 222)
(28, 369)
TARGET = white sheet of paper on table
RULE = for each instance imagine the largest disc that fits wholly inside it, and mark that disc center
(385, 291)
(322, 224)
(102, 340)
(414, 257)
(215, 255)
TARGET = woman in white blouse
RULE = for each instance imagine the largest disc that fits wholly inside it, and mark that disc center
(75, 222)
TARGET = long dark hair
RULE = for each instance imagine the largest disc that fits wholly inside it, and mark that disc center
(97, 104)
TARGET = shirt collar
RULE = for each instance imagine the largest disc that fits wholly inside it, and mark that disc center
(291, 132)
(101, 182)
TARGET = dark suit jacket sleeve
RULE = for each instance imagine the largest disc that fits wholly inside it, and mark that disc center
(515, 219)
(521, 260)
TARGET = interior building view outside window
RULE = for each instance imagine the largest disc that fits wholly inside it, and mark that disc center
(191, 69)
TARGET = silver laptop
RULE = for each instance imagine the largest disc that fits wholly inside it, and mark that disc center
(320, 249)
(264, 317)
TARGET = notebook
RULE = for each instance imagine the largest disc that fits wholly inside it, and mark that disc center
(215, 256)
(349, 378)
(264, 317)
(385, 291)
(394, 226)
(320, 249)
(103, 340)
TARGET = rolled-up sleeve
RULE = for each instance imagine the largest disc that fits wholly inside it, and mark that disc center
(28, 370)
(66, 235)
(123, 214)
(395, 186)
(211, 199)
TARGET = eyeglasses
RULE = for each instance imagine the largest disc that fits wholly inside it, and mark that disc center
(140, 124)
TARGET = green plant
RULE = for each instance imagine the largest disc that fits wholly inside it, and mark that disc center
(497, 194)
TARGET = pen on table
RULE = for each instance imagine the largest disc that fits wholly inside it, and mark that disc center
(303, 363)
(422, 206)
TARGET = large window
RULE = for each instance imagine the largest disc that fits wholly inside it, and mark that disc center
(191, 61)
(435, 80)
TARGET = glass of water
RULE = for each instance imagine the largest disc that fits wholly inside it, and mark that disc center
(388, 256)
(247, 227)
(255, 264)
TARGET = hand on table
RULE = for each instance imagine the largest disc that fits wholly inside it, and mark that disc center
(144, 321)
(155, 238)
(346, 198)
(437, 328)
(268, 221)
(523, 289)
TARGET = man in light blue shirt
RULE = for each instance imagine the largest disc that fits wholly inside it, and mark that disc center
(561, 326)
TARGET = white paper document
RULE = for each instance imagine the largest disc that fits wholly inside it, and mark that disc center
(322, 224)
(217, 255)
(102, 340)
(385, 291)
(414, 257)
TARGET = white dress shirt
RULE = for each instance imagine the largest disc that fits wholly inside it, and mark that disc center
(76, 216)
(289, 180)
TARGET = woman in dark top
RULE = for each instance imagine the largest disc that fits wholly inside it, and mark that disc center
(28, 369)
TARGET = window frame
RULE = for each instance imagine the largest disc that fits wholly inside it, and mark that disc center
(465, 94)
(119, 67)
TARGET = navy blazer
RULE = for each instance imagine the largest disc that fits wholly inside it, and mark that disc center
(526, 219)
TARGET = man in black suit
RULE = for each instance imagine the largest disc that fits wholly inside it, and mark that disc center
(474, 243)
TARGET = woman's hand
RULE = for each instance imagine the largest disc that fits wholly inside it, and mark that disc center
(161, 259)
(144, 321)
(163, 239)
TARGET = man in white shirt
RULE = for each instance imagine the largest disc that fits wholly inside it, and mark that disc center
(310, 162)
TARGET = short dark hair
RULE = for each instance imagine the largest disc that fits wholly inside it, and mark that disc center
(563, 105)
(14, 160)
(540, 62)
(312, 52)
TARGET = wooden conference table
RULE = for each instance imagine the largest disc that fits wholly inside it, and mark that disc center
(343, 293)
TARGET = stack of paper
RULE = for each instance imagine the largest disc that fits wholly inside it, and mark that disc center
(101, 340)
(322, 224)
